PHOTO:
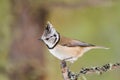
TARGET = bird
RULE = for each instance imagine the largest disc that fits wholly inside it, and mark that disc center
(65, 48)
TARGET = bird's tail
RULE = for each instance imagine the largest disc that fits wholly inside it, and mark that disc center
(99, 47)
(94, 47)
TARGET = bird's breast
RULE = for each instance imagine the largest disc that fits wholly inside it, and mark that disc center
(63, 52)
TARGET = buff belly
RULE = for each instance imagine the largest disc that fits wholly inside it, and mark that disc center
(64, 52)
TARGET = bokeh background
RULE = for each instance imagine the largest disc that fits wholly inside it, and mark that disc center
(23, 57)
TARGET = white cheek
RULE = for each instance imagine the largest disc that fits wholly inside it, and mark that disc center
(50, 44)
(51, 41)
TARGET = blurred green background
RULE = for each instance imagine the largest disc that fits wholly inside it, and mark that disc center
(99, 24)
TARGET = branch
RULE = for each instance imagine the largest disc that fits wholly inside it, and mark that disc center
(69, 75)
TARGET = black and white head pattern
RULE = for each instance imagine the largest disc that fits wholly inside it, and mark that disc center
(50, 36)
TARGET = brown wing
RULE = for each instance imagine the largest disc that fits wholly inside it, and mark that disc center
(72, 43)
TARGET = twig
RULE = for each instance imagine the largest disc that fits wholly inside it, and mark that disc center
(69, 75)
(64, 69)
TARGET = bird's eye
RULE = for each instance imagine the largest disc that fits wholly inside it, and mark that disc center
(47, 39)
(54, 35)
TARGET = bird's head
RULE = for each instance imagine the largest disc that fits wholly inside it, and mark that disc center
(50, 36)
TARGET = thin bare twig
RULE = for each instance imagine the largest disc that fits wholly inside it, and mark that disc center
(69, 75)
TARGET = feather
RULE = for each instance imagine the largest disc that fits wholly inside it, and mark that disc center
(73, 43)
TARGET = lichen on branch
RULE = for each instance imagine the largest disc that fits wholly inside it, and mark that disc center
(69, 75)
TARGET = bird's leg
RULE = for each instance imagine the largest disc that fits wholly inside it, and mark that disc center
(69, 65)
(63, 63)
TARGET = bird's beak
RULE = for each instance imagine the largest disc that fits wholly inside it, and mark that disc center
(40, 39)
